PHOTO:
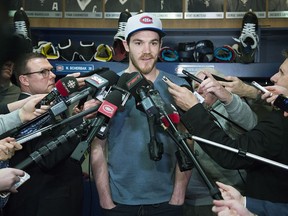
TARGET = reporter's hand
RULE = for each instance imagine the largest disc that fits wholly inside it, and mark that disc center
(8, 146)
(91, 103)
(276, 89)
(28, 111)
(9, 177)
(182, 96)
(240, 88)
(230, 208)
(211, 85)
(228, 192)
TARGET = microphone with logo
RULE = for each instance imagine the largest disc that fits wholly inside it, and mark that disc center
(138, 86)
(96, 87)
(105, 112)
(99, 84)
(63, 87)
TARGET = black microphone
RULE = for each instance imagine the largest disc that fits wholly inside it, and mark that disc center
(38, 155)
(281, 102)
(97, 84)
(99, 126)
(58, 124)
(106, 111)
(138, 86)
(136, 81)
(63, 87)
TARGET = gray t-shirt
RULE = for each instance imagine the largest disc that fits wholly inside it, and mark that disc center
(135, 178)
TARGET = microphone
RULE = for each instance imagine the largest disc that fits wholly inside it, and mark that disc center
(172, 114)
(135, 82)
(100, 124)
(97, 84)
(51, 127)
(106, 111)
(63, 87)
(138, 86)
(38, 155)
(60, 107)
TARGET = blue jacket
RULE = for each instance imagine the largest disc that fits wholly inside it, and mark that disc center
(266, 208)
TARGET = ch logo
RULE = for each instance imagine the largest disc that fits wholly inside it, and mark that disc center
(71, 84)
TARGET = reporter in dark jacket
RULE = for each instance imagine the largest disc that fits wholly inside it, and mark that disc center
(268, 139)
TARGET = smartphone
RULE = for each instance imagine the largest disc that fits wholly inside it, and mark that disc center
(195, 78)
(259, 87)
(18, 184)
(218, 78)
(191, 76)
(281, 102)
(165, 79)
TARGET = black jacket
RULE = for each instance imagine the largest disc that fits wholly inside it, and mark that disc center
(268, 139)
(56, 183)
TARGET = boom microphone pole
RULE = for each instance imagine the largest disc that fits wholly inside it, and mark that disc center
(182, 144)
(48, 128)
(42, 152)
(240, 153)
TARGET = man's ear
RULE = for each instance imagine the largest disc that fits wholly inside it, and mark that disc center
(23, 80)
(125, 44)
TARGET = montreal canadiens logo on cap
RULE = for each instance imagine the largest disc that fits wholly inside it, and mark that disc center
(146, 20)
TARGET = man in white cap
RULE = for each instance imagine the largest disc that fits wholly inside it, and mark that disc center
(129, 182)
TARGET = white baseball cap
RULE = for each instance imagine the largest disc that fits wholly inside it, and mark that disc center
(143, 21)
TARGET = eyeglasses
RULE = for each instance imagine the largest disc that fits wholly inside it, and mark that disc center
(45, 72)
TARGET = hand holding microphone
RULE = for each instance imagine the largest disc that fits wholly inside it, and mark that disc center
(63, 87)
(29, 112)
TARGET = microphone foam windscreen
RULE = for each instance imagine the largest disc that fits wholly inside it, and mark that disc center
(135, 81)
(111, 76)
(123, 80)
(67, 85)
(114, 97)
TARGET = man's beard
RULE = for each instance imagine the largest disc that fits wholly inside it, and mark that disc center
(147, 69)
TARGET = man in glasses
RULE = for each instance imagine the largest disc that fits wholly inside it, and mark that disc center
(34, 75)
(55, 186)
